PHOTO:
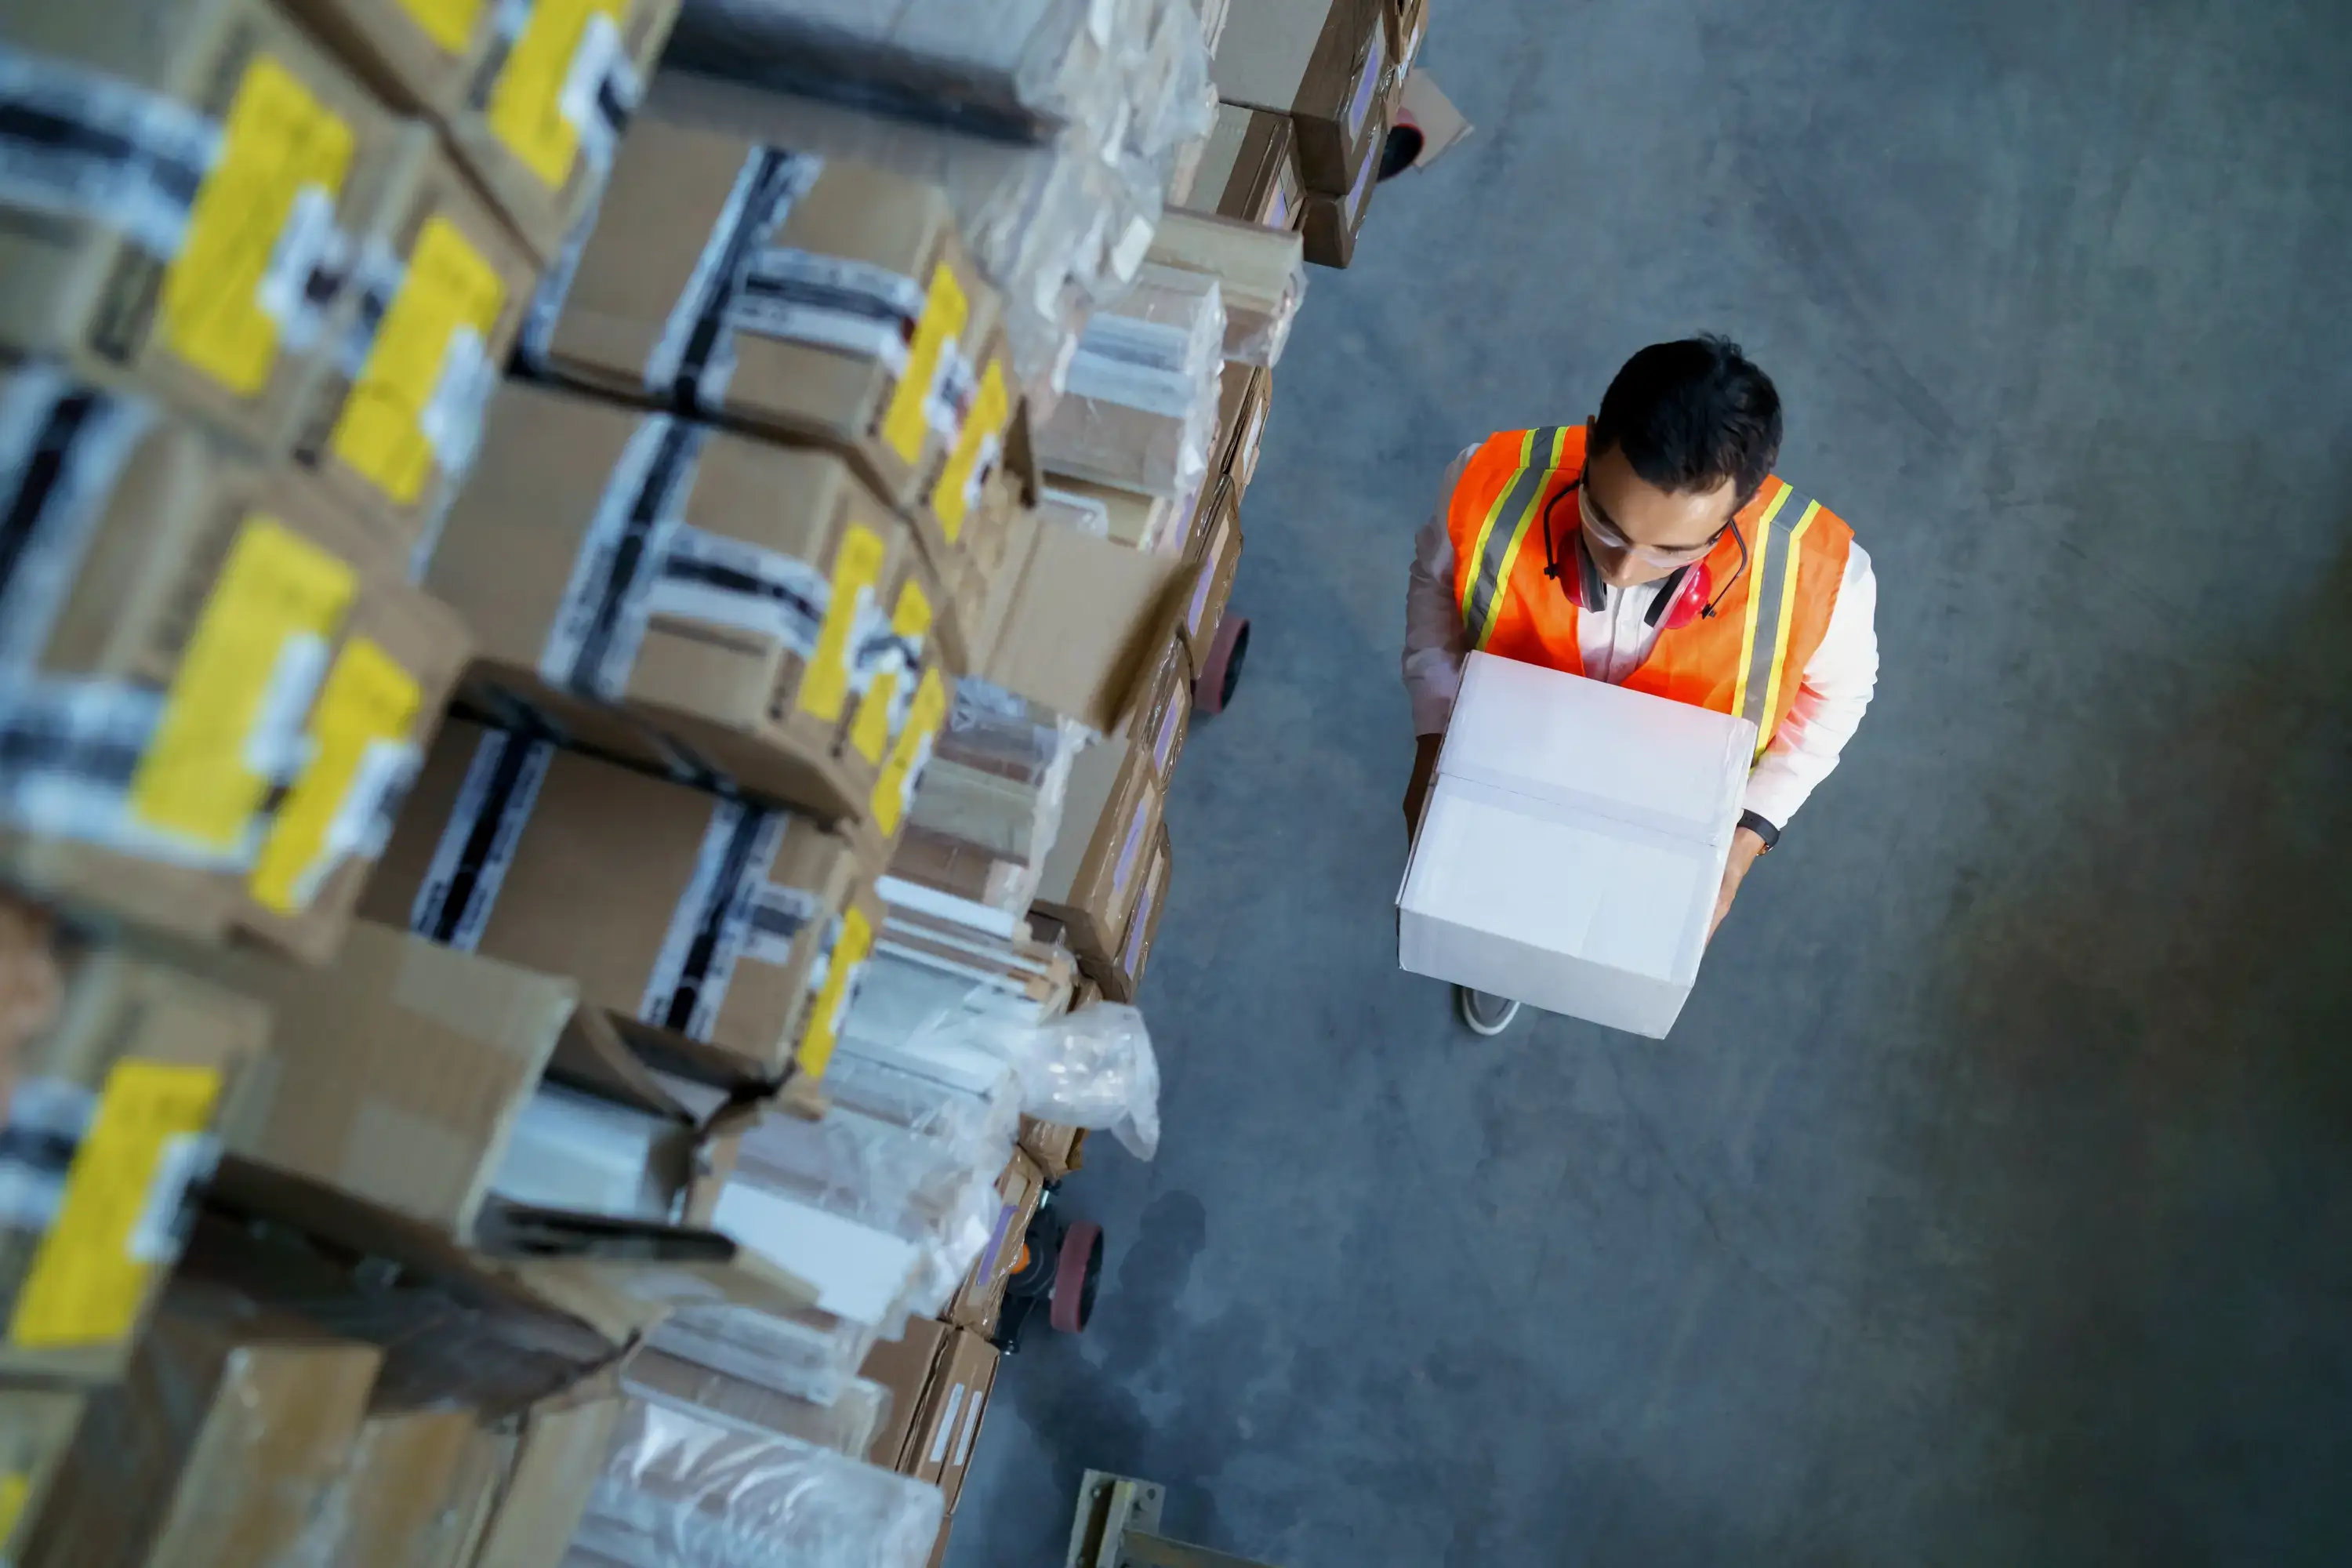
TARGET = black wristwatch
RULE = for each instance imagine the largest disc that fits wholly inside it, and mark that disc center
(1762, 828)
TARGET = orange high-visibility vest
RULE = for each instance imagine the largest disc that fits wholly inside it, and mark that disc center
(1748, 658)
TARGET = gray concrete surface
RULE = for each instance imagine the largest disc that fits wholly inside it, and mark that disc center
(1990, 1204)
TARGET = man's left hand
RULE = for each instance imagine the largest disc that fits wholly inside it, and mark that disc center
(1745, 844)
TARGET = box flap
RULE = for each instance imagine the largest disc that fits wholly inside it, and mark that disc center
(1441, 124)
(1590, 746)
(1085, 622)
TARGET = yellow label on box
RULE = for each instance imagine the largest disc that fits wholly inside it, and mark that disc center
(991, 407)
(896, 785)
(814, 1053)
(15, 1488)
(277, 140)
(90, 1270)
(364, 716)
(246, 676)
(945, 310)
(857, 570)
(869, 731)
(448, 23)
(381, 433)
(526, 103)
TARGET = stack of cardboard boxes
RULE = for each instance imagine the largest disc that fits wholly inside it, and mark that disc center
(486, 569)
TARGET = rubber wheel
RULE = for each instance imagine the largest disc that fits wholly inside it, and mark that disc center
(1077, 1278)
(1397, 153)
(1221, 672)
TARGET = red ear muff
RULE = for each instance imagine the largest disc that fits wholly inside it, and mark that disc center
(1682, 599)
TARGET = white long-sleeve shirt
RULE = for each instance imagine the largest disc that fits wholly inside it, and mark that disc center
(1828, 709)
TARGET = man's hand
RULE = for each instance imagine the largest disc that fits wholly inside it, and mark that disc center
(1424, 774)
(1745, 844)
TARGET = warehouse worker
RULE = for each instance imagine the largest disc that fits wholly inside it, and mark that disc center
(1651, 549)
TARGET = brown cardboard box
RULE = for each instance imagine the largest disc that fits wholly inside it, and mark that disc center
(1249, 168)
(444, 285)
(1330, 225)
(231, 149)
(547, 102)
(1122, 976)
(940, 1446)
(815, 300)
(1058, 1150)
(1094, 875)
(1320, 62)
(693, 920)
(1246, 398)
(1155, 524)
(222, 1439)
(1074, 623)
(37, 1428)
(684, 1381)
(180, 612)
(905, 1367)
(419, 55)
(1163, 711)
(1020, 1190)
(1260, 274)
(415, 1492)
(545, 1488)
(114, 1108)
(664, 591)
(1215, 565)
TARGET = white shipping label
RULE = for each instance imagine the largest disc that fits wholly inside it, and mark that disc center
(946, 1434)
(1165, 742)
(971, 1429)
(185, 1160)
(277, 746)
(303, 275)
(451, 419)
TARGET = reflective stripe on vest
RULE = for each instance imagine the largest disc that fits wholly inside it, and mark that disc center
(1504, 528)
(1779, 538)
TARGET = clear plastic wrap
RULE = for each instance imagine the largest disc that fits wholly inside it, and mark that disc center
(1093, 1068)
(1140, 407)
(1018, 68)
(810, 1354)
(1079, 513)
(988, 806)
(884, 1177)
(846, 1425)
(1059, 224)
(688, 1489)
(1261, 272)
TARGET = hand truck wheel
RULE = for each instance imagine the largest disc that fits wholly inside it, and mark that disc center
(1221, 671)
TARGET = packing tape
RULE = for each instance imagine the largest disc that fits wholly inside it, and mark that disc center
(733, 583)
(827, 301)
(591, 644)
(62, 447)
(78, 143)
(692, 359)
(469, 862)
(711, 922)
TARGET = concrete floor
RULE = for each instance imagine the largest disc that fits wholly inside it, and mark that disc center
(1990, 1203)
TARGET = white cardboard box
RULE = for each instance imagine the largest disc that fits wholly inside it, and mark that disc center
(1572, 845)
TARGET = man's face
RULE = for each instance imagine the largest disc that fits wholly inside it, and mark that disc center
(1638, 532)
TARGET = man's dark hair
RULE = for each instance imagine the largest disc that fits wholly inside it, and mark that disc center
(1690, 414)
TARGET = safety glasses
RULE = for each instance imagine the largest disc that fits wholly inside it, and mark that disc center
(1602, 531)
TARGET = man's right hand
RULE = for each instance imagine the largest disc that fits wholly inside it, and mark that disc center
(1424, 774)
